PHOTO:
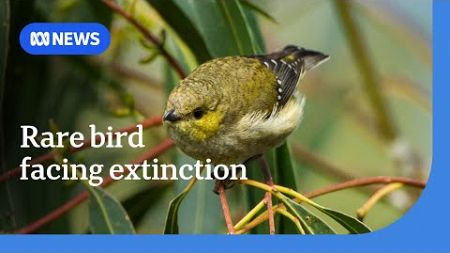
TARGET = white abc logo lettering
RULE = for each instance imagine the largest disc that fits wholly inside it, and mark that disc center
(39, 38)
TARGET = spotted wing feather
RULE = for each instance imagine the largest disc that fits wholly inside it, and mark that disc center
(288, 66)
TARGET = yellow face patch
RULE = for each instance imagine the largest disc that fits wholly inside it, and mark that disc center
(206, 126)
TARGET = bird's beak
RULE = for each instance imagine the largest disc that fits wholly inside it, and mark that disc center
(171, 116)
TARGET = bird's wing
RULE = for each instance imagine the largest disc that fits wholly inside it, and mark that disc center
(289, 65)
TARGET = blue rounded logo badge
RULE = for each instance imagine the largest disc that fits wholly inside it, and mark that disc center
(64, 38)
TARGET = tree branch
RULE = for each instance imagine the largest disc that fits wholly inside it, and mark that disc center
(246, 223)
(365, 181)
(383, 191)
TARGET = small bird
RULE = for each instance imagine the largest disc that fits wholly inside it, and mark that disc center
(234, 108)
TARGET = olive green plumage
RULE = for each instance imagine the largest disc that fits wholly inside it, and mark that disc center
(233, 108)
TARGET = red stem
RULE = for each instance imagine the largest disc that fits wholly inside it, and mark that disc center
(226, 209)
(363, 182)
(80, 198)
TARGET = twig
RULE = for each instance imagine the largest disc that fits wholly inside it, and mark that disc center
(302, 154)
(277, 190)
(363, 182)
(249, 216)
(148, 35)
(246, 224)
(270, 212)
(154, 121)
(281, 209)
(244, 228)
(361, 213)
(226, 209)
(80, 198)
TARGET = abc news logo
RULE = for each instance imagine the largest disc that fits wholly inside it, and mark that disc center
(64, 38)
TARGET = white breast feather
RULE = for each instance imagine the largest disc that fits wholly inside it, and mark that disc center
(282, 122)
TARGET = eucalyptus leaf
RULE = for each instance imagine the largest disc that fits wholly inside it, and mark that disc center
(284, 167)
(106, 214)
(200, 212)
(223, 26)
(353, 225)
(183, 26)
(101, 14)
(284, 175)
(314, 224)
(292, 209)
(252, 195)
(172, 215)
(140, 203)
(258, 9)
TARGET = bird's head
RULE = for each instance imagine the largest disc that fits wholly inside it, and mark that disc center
(192, 111)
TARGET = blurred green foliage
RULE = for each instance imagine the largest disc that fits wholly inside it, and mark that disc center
(119, 89)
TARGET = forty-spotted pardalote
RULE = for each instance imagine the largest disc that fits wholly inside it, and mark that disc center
(234, 108)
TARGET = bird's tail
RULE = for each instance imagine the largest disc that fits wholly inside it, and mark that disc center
(298, 57)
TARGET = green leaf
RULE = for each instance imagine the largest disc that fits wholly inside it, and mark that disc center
(284, 175)
(258, 9)
(100, 13)
(106, 214)
(353, 225)
(255, 32)
(223, 26)
(140, 203)
(172, 215)
(183, 26)
(310, 221)
(200, 212)
(253, 196)
(285, 170)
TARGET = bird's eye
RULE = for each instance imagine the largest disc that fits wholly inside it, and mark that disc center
(198, 113)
